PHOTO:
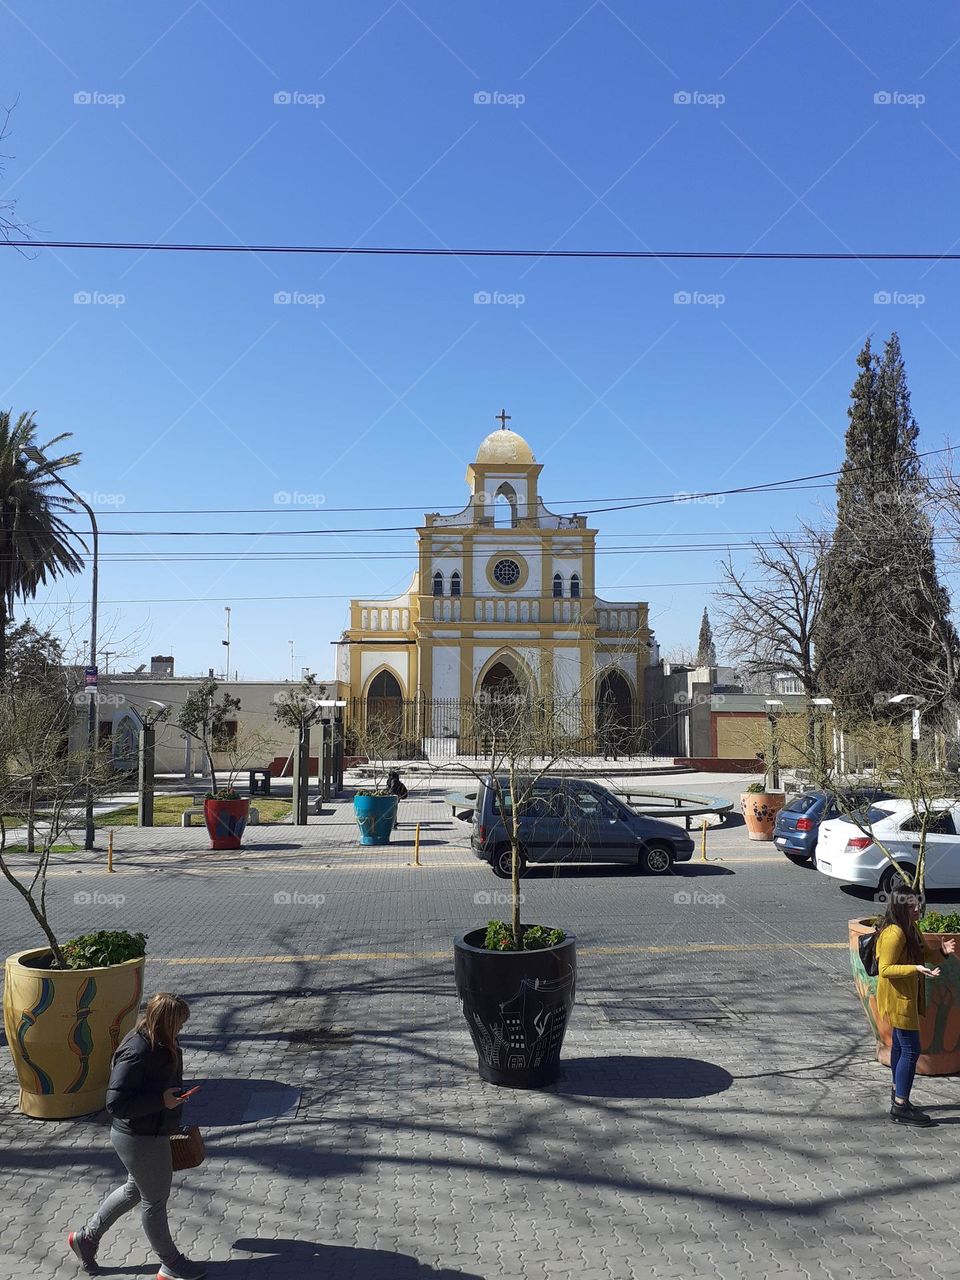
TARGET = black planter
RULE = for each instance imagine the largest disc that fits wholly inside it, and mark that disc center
(517, 1005)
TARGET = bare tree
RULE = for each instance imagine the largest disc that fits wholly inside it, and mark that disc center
(11, 228)
(770, 610)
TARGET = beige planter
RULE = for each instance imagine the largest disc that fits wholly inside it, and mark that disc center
(63, 1027)
(760, 811)
(939, 1025)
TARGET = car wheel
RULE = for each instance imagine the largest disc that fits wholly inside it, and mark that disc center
(656, 859)
(892, 879)
(503, 863)
(801, 859)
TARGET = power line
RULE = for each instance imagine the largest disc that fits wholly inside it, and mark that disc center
(651, 255)
(628, 586)
(789, 485)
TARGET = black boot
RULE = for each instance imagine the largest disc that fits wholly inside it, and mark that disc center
(904, 1113)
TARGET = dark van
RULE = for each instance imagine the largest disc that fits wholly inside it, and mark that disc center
(569, 820)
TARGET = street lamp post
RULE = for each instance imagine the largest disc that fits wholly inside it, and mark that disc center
(915, 702)
(226, 643)
(39, 460)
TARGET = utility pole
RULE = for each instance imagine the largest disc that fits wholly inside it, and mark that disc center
(292, 675)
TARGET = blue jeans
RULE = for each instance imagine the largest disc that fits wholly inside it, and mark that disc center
(903, 1060)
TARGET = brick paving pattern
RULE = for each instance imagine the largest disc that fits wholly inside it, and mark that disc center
(348, 1132)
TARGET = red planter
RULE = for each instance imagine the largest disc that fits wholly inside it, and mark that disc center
(226, 821)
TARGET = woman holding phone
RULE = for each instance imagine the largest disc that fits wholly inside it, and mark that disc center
(145, 1098)
(902, 960)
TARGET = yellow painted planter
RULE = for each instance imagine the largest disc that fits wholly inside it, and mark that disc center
(63, 1027)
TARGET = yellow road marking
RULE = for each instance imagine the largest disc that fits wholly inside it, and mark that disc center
(353, 956)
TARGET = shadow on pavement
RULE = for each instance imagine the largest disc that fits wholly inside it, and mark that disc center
(236, 1101)
(639, 1077)
(304, 1258)
(612, 870)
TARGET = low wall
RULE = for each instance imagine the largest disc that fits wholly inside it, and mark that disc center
(716, 764)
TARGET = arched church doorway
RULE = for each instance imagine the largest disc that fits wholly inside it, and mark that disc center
(385, 706)
(615, 729)
(500, 682)
(503, 706)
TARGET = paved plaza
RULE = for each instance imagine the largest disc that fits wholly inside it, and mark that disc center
(719, 1111)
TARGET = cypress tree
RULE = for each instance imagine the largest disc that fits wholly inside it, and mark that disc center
(884, 624)
(706, 649)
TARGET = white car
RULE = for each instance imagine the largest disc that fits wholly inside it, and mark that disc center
(846, 853)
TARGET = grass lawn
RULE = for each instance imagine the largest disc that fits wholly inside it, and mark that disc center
(57, 848)
(167, 811)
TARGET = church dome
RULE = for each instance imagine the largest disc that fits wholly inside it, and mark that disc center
(505, 446)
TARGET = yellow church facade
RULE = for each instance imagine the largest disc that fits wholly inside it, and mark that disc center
(503, 598)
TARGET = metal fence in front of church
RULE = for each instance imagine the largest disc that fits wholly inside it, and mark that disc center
(439, 729)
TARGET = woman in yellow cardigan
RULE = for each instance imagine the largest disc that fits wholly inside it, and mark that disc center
(902, 959)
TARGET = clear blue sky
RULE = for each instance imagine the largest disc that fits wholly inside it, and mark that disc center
(200, 391)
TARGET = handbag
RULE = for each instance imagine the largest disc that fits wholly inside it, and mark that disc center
(867, 944)
(186, 1147)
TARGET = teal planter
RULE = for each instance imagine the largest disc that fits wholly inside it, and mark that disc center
(376, 816)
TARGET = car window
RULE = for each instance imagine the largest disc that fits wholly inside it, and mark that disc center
(939, 824)
(584, 803)
(872, 815)
(540, 802)
(801, 804)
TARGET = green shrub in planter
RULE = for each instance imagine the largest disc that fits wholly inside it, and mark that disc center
(105, 947)
(757, 789)
(536, 937)
(936, 922)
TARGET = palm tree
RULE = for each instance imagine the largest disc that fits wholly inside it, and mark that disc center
(36, 544)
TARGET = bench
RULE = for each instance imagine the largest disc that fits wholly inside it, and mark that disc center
(467, 801)
(186, 817)
(260, 781)
(679, 806)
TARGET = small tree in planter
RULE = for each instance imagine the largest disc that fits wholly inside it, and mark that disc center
(208, 718)
(516, 981)
(66, 1005)
(375, 807)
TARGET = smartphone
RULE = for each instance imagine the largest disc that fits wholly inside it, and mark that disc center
(182, 1097)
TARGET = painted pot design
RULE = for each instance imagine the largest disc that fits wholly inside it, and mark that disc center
(376, 817)
(517, 1005)
(226, 822)
(63, 1027)
(760, 811)
(939, 1025)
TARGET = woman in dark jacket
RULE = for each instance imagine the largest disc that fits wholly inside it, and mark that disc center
(143, 1097)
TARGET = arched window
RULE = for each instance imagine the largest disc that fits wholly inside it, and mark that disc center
(505, 507)
(575, 586)
(557, 586)
(454, 583)
(438, 583)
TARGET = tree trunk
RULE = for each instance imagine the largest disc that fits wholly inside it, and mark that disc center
(4, 619)
(32, 815)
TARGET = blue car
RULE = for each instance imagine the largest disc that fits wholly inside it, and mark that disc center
(797, 825)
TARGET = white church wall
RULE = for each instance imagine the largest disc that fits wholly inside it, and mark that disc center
(446, 671)
(566, 671)
(486, 550)
(397, 660)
